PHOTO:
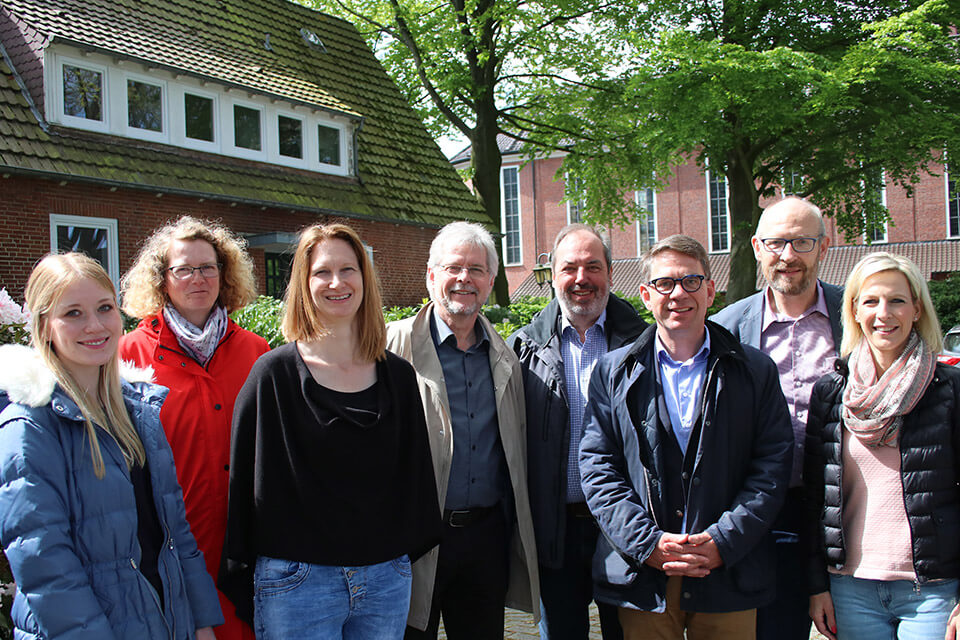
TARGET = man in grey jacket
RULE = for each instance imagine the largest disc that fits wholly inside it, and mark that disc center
(795, 320)
(557, 352)
(472, 393)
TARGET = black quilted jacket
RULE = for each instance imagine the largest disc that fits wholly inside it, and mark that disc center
(930, 471)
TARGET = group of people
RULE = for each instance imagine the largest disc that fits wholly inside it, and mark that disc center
(793, 457)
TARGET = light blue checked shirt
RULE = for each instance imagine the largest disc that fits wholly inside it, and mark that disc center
(579, 358)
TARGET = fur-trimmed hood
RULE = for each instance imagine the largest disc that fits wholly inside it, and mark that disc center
(27, 380)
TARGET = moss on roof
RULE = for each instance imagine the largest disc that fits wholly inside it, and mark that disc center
(402, 173)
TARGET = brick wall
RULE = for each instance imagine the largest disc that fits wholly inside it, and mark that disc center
(400, 250)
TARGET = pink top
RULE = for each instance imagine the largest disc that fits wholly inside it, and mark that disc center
(876, 533)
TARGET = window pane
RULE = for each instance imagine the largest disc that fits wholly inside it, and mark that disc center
(92, 241)
(718, 213)
(82, 93)
(953, 198)
(198, 112)
(329, 143)
(246, 128)
(511, 215)
(144, 106)
(290, 131)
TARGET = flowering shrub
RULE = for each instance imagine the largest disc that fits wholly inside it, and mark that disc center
(14, 321)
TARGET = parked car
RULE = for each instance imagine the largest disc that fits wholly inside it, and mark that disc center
(951, 347)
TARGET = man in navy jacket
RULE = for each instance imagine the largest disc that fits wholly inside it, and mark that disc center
(685, 462)
(795, 320)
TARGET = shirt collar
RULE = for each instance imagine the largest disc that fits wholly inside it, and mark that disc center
(444, 332)
(599, 324)
(771, 315)
(700, 355)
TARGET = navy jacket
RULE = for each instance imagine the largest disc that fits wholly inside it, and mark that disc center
(71, 538)
(537, 345)
(739, 478)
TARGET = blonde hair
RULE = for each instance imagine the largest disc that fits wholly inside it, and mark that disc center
(927, 326)
(47, 282)
(300, 320)
(143, 287)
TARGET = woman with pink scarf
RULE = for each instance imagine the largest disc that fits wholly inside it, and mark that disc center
(882, 467)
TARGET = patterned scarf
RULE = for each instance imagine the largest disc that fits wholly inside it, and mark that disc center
(198, 343)
(873, 409)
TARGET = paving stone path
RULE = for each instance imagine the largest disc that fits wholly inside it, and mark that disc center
(519, 626)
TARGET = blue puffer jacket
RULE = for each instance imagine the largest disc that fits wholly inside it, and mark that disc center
(72, 538)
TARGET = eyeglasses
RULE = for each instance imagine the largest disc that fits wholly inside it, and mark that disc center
(665, 285)
(455, 270)
(185, 272)
(800, 245)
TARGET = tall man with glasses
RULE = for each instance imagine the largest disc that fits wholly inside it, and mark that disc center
(685, 460)
(558, 351)
(472, 391)
(795, 320)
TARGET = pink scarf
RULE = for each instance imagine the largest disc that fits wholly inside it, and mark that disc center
(873, 409)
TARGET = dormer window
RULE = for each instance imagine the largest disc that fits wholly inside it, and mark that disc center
(290, 136)
(88, 90)
(328, 142)
(83, 92)
(246, 128)
(144, 105)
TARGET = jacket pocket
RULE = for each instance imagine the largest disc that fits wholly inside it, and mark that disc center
(756, 572)
(610, 568)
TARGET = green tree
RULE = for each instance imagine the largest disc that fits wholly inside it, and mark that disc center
(481, 67)
(827, 97)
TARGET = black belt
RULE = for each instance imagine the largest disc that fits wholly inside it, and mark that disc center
(578, 510)
(466, 517)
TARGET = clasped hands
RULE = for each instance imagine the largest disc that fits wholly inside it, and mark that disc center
(692, 555)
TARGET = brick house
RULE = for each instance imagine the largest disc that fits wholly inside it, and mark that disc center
(116, 116)
(924, 226)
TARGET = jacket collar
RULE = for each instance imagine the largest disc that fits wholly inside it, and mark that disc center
(722, 345)
(622, 323)
(27, 380)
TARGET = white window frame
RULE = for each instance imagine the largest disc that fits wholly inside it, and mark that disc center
(503, 217)
(726, 198)
(243, 152)
(274, 134)
(338, 169)
(636, 200)
(174, 86)
(571, 205)
(946, 195)
(55, 110)
(145, 134)
(883, 201)
(178, 118)
(108, 224)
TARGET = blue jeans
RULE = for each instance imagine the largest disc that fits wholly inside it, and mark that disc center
(891, 609)
(302, 600)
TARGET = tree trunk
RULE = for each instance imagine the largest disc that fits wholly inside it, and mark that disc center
(486, 159)
(744, 215)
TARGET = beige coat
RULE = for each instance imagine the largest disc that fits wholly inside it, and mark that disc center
(410, 338)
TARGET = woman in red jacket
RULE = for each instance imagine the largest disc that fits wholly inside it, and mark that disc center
(189, 275)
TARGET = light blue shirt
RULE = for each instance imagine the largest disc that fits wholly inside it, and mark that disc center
(579, 359)
(682, 385)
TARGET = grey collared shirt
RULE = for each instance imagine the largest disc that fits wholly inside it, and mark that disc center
(478, 472)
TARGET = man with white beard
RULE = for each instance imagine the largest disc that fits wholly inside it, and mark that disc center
(557, 352)
(470, 384)
(795, 320)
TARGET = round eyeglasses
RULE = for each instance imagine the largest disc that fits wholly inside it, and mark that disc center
(665, 285)
(185, 272)
(800, 245)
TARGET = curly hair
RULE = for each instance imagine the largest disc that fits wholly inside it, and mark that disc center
(143, 287)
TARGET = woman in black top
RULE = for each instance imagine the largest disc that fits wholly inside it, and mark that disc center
(332, 492)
